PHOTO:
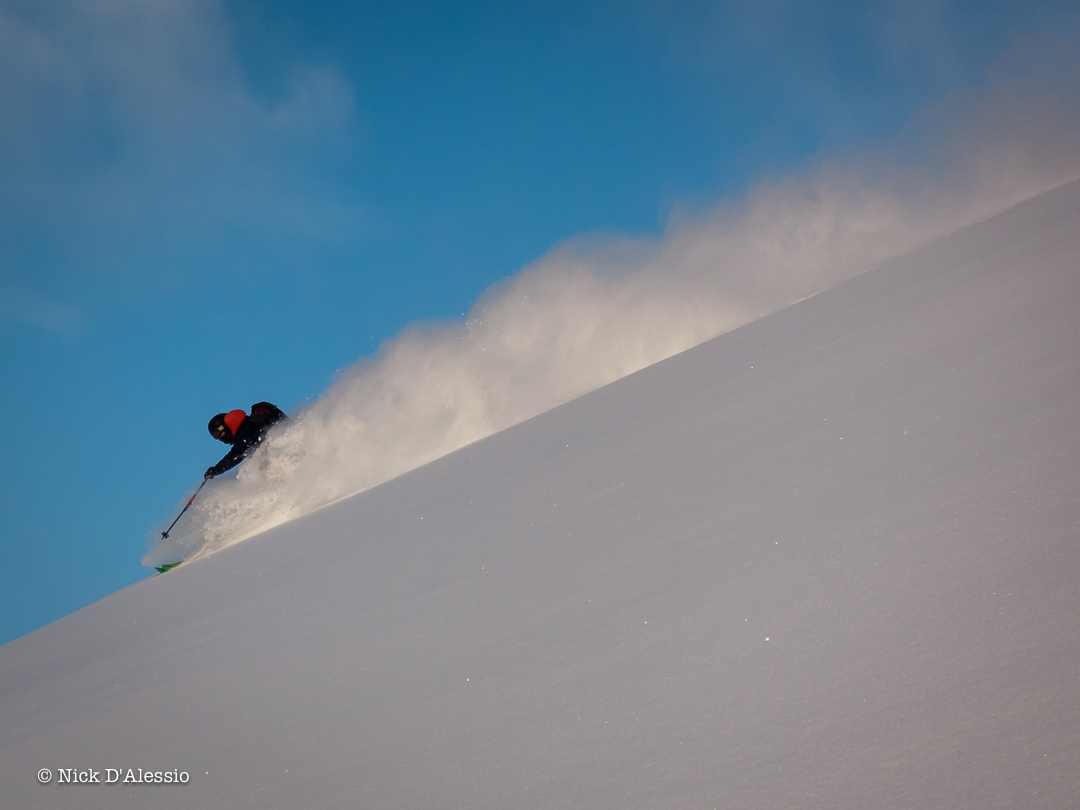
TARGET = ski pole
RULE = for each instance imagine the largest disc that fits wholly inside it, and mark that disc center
(191, 500)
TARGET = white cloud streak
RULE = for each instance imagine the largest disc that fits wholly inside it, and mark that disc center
(126, 117)
(31, 308)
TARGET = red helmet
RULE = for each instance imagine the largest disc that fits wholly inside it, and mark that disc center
(223, 427)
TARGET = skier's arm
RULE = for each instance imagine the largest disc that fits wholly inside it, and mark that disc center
(231, 459)
(247, 439)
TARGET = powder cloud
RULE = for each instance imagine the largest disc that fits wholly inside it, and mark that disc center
(594, 310)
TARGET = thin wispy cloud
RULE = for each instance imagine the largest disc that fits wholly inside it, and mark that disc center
(854, 69)
(126, 121)
(33, 309)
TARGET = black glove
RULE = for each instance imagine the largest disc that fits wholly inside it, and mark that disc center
(210, 473)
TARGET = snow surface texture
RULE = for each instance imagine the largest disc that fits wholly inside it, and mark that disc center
(584, 316)
(828, 560)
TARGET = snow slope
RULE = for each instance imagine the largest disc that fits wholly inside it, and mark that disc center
(587, 314)
(827, 560)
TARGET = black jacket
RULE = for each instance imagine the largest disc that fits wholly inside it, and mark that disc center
(249, 435)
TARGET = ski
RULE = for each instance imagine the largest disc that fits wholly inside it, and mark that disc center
(161, 569)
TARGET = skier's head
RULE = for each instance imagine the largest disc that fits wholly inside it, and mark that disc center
(223, 427)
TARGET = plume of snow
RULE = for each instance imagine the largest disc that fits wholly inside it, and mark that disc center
(589, 313)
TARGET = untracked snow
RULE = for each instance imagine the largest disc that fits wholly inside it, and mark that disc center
(828, 560)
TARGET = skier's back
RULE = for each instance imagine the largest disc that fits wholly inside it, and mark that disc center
(243, 431)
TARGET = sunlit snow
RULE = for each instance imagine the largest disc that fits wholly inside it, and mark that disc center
(826, 560)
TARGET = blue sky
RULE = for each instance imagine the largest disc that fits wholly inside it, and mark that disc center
(205, 204)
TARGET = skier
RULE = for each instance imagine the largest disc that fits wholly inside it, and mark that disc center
(243, 432)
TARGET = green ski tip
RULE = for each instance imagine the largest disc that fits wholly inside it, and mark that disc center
(161, 569)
